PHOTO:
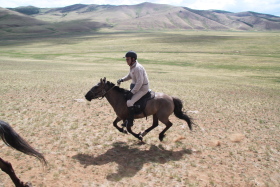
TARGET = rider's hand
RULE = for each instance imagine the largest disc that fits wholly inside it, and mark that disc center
(129, 95)
(119, 81)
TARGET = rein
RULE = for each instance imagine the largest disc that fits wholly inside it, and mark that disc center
(103, 91)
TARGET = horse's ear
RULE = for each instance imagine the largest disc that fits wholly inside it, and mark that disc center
(101, 81)
(104, 79)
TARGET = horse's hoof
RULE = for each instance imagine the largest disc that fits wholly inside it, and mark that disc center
(140, 137)
(28, 184)
(161, 137)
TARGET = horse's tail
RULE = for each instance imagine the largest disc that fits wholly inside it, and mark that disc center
(14, 140)
(178, 111)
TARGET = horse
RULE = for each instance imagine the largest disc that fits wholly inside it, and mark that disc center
(160, 107)
(12, 139)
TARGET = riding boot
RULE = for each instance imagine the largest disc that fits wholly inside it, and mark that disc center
(130, 118)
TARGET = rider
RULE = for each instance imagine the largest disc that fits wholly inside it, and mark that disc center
(139, 86)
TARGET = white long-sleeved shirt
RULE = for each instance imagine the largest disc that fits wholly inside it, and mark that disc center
(138, 75)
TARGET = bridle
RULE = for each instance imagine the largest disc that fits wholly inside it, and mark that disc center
(103, 92)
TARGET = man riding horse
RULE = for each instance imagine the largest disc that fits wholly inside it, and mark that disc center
(139, 86)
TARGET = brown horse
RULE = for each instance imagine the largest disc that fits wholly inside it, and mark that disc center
(161, 107)
(12, 139)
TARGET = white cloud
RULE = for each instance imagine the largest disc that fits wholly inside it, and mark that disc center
(41, 3)
(213, 4)
(111, 2)
(262, 6)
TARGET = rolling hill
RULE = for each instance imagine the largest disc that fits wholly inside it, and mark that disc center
(9, 18)
(144, 16)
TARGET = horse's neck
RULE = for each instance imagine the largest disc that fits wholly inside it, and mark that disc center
(116, 99)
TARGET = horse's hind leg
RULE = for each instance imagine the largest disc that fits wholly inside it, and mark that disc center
(7, 168)
(168, 125)
(155, 124)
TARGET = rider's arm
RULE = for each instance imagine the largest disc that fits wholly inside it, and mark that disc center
(127, 77)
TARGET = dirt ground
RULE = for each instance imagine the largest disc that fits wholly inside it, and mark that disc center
(231, 145)
(229, 86)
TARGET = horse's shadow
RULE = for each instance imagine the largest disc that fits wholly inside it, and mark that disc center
(130, 160)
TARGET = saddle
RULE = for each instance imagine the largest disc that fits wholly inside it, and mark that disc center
(140, 105)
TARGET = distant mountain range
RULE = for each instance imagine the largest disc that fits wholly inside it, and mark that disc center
(144, 16)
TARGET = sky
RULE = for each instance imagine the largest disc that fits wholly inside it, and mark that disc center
(261, 6)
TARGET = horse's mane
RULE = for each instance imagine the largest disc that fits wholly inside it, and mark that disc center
(117, 88)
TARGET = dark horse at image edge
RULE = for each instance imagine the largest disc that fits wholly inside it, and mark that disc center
(14, 140)
(161, 107)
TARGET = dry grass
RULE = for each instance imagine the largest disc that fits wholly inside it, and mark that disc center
(232, 96)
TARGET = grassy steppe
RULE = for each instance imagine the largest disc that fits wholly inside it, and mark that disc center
(229, 82)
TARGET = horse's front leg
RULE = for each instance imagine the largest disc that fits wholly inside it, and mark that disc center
(115, 123)
(138, 136)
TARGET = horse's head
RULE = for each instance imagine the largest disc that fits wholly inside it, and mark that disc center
(97, 91)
